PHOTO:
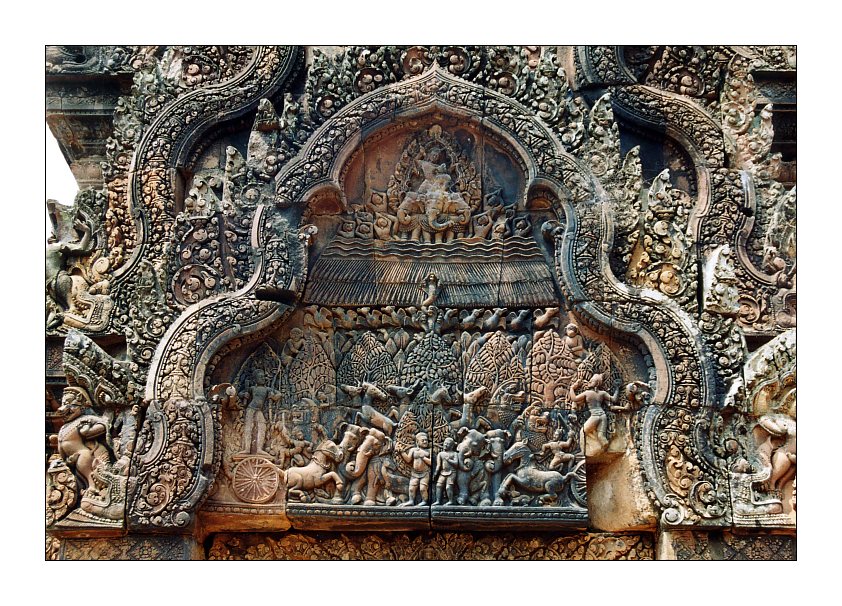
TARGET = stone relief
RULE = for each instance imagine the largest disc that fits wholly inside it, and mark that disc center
(77, 274)
(427, 288)
(87, 478)
(438, 546)
(763, 446)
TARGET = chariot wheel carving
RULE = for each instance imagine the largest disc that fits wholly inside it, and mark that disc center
(578, 484)
(255, 480)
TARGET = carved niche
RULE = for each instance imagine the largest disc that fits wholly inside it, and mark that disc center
(427, 291)
(431, 370)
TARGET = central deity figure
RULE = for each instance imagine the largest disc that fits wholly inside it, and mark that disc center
(433, 211)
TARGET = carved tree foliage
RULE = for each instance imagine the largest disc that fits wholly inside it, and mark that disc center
(193, 272)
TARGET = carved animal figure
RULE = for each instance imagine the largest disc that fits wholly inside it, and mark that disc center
(497, 441)
(319, 472)
(409, 214)
(446, 214)
(79, 441)
(471, 475)
(529, 478)
(385, 423)
(395, 484)
(543, 319)
(470, 401)
(470, 320)
(494, 320)
(368, 393)
(365, 469)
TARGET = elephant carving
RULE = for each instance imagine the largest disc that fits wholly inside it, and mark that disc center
(365, 467)
(497, 441)
(446, 215)
(471, 474)
(409, 214)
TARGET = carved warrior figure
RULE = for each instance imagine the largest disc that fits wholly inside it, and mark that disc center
(446, 462)
(419, 458)
(257, 396)
(558, 448)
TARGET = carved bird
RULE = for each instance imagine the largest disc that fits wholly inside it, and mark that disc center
(494, 320)
(519, 321)
(469, 321)
(451, 318)
(543, 319)
(345, 320)
(322, 318)
(388, 316)
(372, 317)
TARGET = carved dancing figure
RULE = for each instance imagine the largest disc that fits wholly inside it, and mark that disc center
(256, 396)
(595, 398)
(419, 458)
(446, 463)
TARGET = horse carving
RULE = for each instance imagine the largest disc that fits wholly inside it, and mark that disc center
(529, 478)
(320, 471)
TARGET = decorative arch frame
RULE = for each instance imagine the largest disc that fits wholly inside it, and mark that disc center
(682, 479)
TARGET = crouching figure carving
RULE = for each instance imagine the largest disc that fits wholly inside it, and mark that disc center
(318, 473)
(95, 443)
(547, 484)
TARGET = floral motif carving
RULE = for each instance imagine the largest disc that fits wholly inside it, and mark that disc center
(566, 316)
(437, 546)
(688, 545)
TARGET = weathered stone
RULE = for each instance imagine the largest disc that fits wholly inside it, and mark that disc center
(430, 290)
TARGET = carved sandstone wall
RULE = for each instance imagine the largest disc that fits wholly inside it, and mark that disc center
(422, 303)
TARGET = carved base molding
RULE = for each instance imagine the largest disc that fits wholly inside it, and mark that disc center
(419, 545)
(131, 547)
(431, 546)
(409, 302)
(689, 545)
